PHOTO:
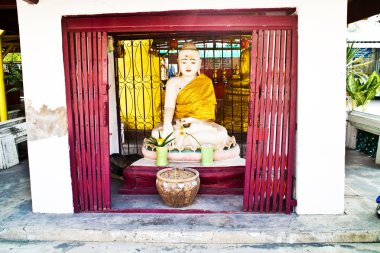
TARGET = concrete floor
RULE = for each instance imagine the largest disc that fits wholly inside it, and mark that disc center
(214, 203)
(362, 175)
(230, 232)
(362, 179)
(84, 247)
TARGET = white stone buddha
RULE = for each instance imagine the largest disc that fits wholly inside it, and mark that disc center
(189, 110)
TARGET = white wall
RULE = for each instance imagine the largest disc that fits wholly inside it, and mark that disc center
(112, 110)
(321, 91)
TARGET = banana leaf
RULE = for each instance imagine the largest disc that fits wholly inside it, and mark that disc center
(360, 87)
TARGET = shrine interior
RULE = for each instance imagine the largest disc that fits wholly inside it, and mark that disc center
(143, 64)
(141, 89)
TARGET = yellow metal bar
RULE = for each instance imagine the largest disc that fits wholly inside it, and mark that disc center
(3, 100)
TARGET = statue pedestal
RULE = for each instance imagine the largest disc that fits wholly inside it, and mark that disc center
(189, 156)
(223, 177)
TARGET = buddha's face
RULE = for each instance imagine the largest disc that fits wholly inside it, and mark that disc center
(189, 62)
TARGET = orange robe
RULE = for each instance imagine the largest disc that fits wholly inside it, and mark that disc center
(196, 100)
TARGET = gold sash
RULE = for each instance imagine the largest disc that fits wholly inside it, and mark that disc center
(196, 100)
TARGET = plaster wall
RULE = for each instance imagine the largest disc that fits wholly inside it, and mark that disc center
(113, 122)
(321, 93)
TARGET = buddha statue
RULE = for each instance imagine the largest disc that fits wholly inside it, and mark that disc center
(189, 111)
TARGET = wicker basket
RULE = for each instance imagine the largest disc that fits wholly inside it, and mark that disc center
(178, 186)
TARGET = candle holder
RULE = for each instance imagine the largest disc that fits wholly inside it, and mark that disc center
(207, 155)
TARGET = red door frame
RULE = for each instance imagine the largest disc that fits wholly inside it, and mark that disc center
(183, 21)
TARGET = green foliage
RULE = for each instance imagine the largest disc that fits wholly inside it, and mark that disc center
(13, 76)
(362, 92)
(12, 58)
(360, 87)
(160, 142)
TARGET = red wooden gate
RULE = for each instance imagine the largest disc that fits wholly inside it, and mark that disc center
(271, 131)
(85, 57)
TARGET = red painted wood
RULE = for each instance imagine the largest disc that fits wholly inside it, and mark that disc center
(68, 51)
(91, 126)
(251, 121)
(87, 89)
(261, 125)
(285, 141)
(279, 126)
(104, 130)
(75, 113)
(214, 180)
(267, 107)
(96, 119)
(256, 118)
(292, 121)
(207, 20)
(81, 151)
(98, 112)
(272, 143)
(86, 125)
(100, 121)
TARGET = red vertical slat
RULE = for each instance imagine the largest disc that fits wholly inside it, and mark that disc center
(266, 116)
(255, 119)
(279, 124)
(292, 120)
(261, 126)
(74, 89)
(69, 65)
(91, 119)
(96, 119)
(285, 139)
(101, 117)
(82, 114)
(77, 146)
(86, 115)
(254, 90)
(104, 121)
(270, 185)
(81, 136)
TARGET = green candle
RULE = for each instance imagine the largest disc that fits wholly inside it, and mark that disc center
(207, 153)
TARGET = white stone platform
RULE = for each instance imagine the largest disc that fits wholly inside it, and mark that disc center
(189, 156)
(178, 164)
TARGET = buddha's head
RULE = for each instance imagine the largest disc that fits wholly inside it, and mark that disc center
(189, 60)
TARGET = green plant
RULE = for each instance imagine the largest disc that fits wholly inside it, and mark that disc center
(360, 88)
(160, 142)
(13, 77)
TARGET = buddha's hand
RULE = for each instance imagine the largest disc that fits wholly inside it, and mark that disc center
(167, 129)
(186, 122)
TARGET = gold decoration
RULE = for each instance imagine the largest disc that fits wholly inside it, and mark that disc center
(236, 96)
(215, 77)
(224, 76)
